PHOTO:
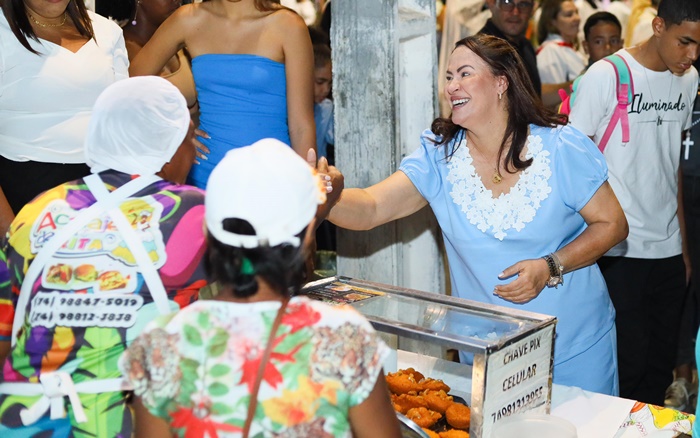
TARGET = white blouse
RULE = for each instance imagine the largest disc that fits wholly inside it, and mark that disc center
(46, 100)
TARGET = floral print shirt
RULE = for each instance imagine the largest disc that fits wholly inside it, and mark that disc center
(196, 369)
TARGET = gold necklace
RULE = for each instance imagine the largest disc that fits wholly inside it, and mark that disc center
(39, 23)
(497, 177)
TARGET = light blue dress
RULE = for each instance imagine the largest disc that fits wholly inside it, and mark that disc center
(242, 99)
(539, 215)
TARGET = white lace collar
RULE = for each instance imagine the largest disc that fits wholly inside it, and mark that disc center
(510, 210)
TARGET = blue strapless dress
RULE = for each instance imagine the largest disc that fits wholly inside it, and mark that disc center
(242, 99)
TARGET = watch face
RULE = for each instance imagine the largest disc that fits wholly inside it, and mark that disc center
(554, 281)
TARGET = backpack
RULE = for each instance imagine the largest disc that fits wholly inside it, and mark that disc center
(625, 91)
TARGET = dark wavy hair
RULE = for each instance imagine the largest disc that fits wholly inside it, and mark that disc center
(16, 15)
(678, 11)
(524, 105)
(281, 266)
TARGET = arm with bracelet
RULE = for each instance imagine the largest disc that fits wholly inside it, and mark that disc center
(606, 226)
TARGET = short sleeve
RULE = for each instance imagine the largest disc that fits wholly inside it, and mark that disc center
(421, 166)
(120, 59)
(595, 97)
(7, 308)
(580, 167)
(109, 33)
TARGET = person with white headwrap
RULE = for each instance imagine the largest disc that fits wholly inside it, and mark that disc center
(275, 364)
(92, 261)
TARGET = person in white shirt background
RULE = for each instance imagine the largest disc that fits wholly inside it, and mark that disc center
(56, 58)
(558, 59)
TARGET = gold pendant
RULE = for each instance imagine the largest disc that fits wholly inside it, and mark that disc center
(497, 178)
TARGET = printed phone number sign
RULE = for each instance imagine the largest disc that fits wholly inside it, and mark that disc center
(50, 309)
(518, 378)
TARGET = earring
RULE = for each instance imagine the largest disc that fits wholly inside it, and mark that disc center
(500, 96)
(136, 12)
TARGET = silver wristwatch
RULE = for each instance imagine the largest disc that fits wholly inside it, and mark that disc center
(556, 270)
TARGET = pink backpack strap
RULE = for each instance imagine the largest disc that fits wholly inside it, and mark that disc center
(623, 99)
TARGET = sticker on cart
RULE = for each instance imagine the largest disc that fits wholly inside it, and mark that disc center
(338, 293)
(518, 378)
(115, 310)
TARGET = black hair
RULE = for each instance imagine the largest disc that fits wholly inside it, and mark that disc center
(16, 15)
(524, 105)
(281, 266)
(678, 11)
(118, 10)
(319, 36)
(600, 17)
(322, 55)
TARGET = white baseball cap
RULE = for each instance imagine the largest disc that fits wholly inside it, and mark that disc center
(268, 185)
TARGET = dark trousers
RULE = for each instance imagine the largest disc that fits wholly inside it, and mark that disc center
(691, 313)
(648, 295)
(22, 181)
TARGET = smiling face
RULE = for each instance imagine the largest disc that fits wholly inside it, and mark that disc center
(604, 39)
(678, 44)
(471, 89)
(567, 21)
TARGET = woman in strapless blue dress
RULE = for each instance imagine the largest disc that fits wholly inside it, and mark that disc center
(253, 70)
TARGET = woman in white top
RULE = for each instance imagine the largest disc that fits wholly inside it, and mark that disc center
(56, 57)
(558, 60)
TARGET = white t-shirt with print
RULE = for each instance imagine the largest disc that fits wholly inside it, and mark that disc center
(643, 172)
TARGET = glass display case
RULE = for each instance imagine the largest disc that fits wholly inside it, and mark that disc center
(509, 352)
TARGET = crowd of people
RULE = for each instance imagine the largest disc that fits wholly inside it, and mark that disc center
(124, 197)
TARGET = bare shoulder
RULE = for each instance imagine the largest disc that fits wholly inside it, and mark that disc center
(285, 20)
(190, 14)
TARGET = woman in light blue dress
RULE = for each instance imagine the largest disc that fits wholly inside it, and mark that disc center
(252, 63)
(523, 202)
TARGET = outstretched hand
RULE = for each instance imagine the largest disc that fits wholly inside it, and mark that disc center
(532, 276)
(334, 180)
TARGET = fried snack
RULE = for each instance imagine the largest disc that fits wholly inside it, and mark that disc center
(423, 417)
(430, 433)
(438, 401)
(454, 433)
(458, 416)
(416, 375)
(433, 384)
(402, 403)
(402, 382)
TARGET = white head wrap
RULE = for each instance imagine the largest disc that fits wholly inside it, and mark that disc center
(136, 127)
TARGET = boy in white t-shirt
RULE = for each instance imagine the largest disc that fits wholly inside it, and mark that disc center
(646, 274)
